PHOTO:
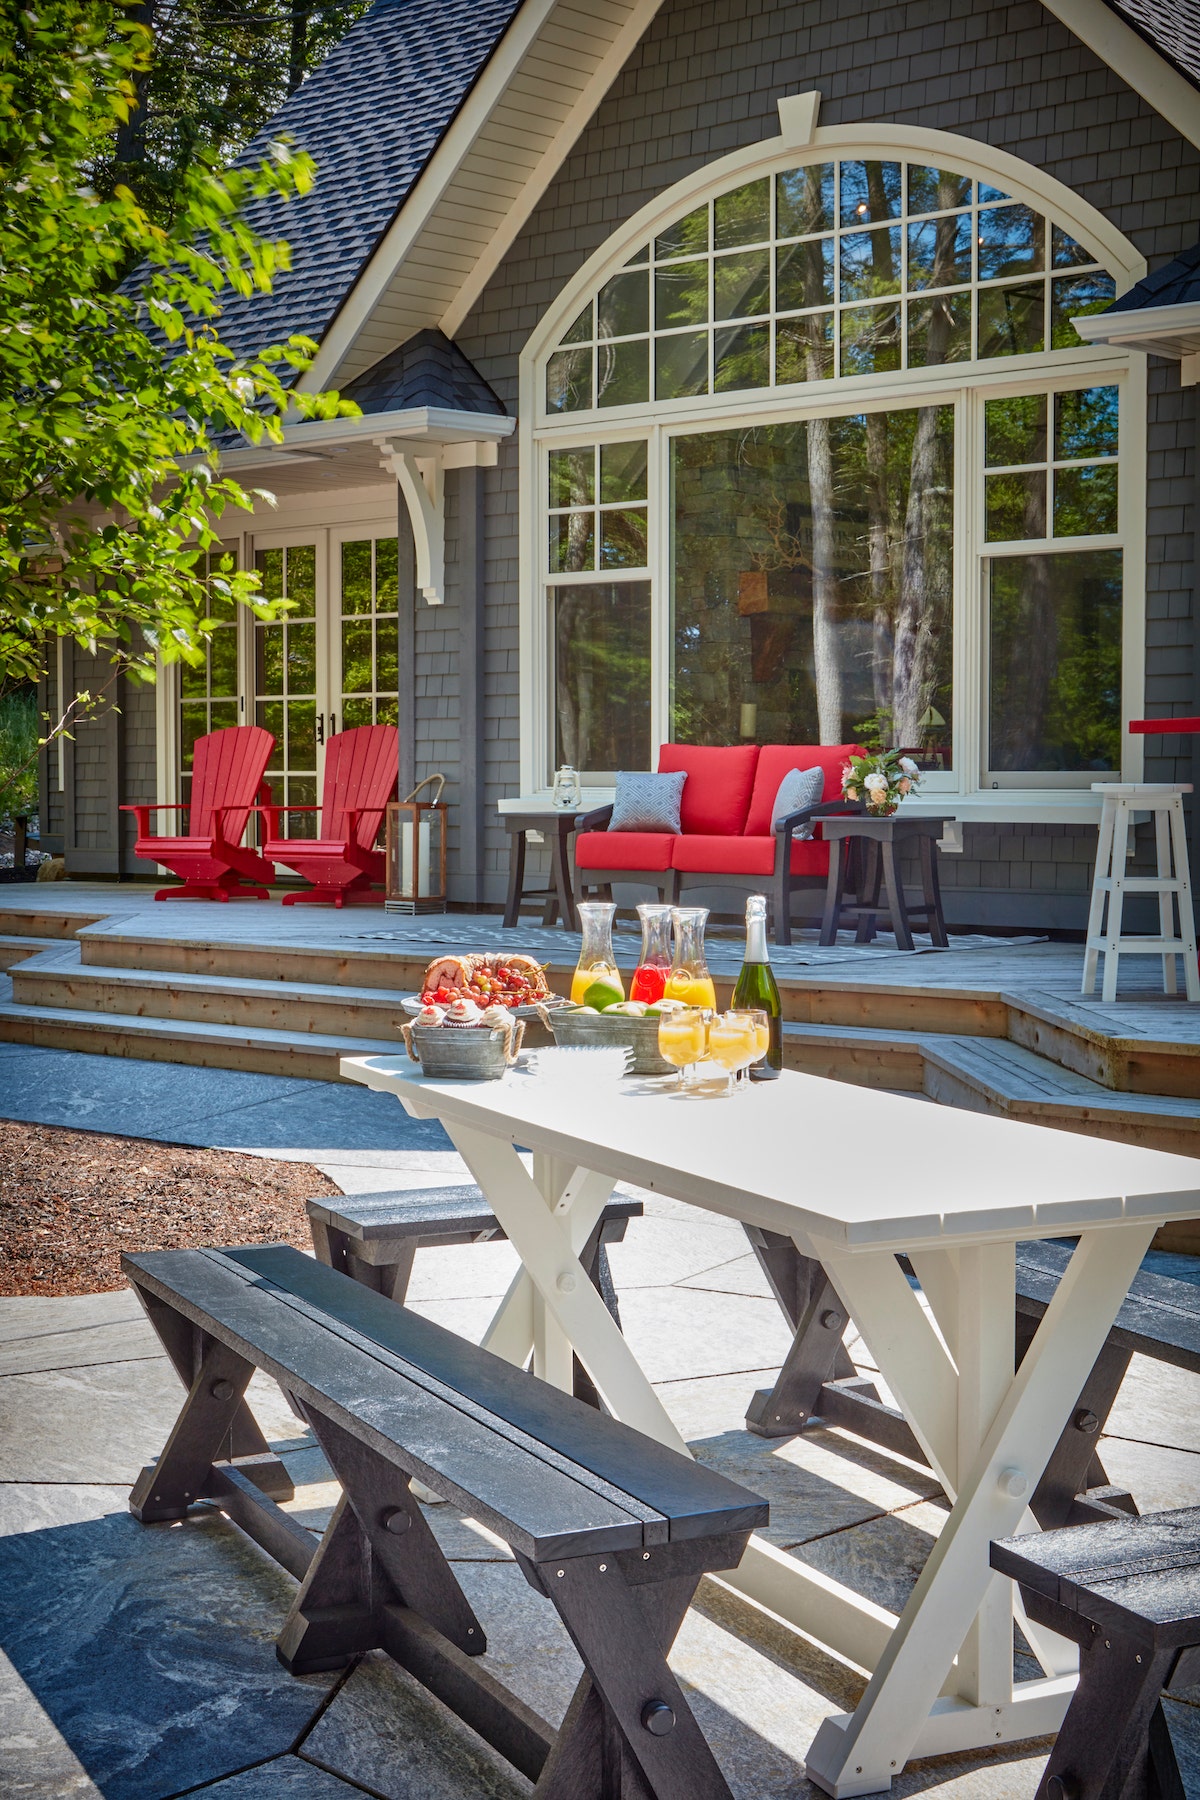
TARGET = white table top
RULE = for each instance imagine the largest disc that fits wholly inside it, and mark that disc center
(848, 1167)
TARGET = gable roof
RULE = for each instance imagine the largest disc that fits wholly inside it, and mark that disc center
(1172, 27)
(371, 116)
(428, 370)
(1176, 284)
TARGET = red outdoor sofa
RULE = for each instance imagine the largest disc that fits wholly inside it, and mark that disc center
(726, 838)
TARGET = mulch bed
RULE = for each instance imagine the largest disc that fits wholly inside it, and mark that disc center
(72, 1201)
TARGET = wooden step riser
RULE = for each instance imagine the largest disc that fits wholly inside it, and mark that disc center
(1148, 1131)
(296, 1062)
(45, 924)
(252, 1012)
(400, 972)
(1124, 1071)
(12, 954)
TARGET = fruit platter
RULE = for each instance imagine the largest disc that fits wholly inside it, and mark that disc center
(499, 978)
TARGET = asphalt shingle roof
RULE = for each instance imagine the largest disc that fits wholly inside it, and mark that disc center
(428, 370)
(371, 117)
(1175, 283)
(1171, 26)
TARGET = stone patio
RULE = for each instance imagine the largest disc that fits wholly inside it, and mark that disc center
(138, 1662)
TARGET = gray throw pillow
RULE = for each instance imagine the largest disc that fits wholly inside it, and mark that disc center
(647, 802)
(799, 788)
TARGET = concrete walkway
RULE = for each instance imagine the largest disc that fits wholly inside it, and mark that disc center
(138, 1663)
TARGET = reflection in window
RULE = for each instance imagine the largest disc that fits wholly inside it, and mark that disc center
(370, 632)
(1040, 484)
(598, 508)
(285, 678)
(976, 274)
(1055, 663)
(601, 633)
(812, 573)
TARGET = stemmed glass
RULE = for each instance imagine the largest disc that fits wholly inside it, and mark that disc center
(682, 1040)
(735, 1040)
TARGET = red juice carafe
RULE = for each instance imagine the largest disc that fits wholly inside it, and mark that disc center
(654, 966)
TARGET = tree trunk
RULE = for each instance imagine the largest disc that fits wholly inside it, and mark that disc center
(917, 623)
(130, 142)
(880, 562)
(301, 12)
(827, 669)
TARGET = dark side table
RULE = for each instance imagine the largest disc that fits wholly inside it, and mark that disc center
(557, 828)
(878, 843)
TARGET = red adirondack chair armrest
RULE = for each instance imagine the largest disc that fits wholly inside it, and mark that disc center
(143, 812)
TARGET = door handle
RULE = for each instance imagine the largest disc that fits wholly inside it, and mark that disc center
(320, 728)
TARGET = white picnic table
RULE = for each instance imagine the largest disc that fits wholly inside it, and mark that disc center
(853, 1176)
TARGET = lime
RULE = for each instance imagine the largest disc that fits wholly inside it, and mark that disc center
(602, 994)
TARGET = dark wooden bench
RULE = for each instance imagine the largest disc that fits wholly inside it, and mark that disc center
(1128, 1593)
(375, 1237)
(1160, 1318)
(612, 1527)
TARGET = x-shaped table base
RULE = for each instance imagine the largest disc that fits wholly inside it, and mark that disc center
(941, 1674)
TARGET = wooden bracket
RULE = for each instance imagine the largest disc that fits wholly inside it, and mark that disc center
(420, 470)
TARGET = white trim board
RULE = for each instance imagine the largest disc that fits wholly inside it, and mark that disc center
(1137, 63)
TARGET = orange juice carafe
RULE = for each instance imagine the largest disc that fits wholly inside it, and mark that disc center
(650, 978)
(689, 979)
(597, 980)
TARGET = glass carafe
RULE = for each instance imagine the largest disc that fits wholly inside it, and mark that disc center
(597, 981)
(650, 980)
(689, 979)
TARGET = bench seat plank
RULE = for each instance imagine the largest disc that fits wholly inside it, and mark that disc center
(367, 1217)
(1159, 1318)
(599, 1485)
(1140, 1577)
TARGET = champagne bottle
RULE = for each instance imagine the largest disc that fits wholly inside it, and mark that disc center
(756, 986)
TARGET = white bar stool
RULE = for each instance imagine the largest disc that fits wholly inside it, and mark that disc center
(1172, 884)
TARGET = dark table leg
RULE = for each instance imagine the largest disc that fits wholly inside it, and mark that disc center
(516, 877)
(560, 858)
(835, 892)
(895, 894)
(932, 892)
(871, 868)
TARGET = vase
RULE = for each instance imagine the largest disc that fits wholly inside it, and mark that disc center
(884, 810)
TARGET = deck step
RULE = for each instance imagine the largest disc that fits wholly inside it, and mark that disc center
(992, 1075)
(16, 949)
(48, 922)
(313, 1055)
(58, 979)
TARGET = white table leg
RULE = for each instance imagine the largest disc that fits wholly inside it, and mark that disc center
(543, 1241)
(901, 1715)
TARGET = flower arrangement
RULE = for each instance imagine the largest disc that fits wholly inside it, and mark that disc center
(880, 777)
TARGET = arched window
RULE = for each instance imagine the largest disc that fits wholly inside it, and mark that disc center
(819, 456)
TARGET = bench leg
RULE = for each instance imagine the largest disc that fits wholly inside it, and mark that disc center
(1074, 1467)
(623, 1633)
(1104, 1747)
(331, 1620)
(401, 1542)
(167, 1488)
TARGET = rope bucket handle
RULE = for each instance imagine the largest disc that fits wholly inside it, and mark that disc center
(436, 801)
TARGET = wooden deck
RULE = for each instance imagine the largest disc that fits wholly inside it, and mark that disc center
(996, 1025)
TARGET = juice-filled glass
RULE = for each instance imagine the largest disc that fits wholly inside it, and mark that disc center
(650, 978)
(689, 979)
(597, 980)
(683, 1039)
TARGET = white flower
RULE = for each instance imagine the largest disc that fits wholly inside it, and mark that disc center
(875, 783)
(909, 766)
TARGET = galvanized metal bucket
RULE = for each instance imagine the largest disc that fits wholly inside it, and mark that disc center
(639, 1035)
(476, 1055)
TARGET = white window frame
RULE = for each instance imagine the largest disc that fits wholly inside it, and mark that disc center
(964, 384)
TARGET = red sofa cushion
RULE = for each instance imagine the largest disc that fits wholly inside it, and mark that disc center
(774, 761)
(701, 854)
(650, 850)
(716, 794)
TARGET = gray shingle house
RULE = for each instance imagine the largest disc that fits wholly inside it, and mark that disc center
(731, 370)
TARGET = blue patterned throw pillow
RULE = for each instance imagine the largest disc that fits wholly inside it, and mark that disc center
(799, 788)
(647, 802)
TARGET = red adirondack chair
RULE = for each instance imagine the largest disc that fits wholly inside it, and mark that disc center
(227, 780)
(361, 771)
